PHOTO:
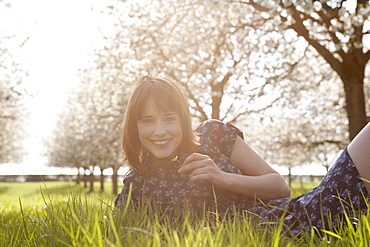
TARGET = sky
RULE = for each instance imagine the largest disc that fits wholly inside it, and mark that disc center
(61, 36)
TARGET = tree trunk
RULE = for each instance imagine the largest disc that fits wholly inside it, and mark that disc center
(216, 102)
(91, 178)
(85, 178)
(217, 93)
(78, 179)
(101, 180)
(355, 104)
(115, 179)
(327, 168)
(290, 176)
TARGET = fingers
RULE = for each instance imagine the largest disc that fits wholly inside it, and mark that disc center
(200, 167)
(195, 161)
(203, 173)
(195, 157)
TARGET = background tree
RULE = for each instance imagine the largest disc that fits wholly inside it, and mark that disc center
(12, 92)
(339, 32)
(93, 115)
(301, 126)
(65, 146)
(210, 49)
(88, 132)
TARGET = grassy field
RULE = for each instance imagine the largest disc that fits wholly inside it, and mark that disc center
(64, 214)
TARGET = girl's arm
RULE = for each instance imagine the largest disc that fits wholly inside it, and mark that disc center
(258, 179)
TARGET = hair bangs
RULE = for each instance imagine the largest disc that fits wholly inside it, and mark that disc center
(162, 100)
(165, 102)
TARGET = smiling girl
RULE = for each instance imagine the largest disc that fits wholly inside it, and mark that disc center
(212, 167)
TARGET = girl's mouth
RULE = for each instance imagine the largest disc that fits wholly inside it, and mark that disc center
(162, 142)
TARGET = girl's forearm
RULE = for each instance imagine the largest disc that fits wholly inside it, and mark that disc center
(265, 187)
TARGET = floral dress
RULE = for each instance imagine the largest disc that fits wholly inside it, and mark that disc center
(340, 191)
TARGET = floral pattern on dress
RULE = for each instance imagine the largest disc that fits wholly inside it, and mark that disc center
(340, 191)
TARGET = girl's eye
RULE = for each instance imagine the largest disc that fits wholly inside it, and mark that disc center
(146, 120)
(170, 118)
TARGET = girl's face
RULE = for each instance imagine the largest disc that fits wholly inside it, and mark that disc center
(160, 133)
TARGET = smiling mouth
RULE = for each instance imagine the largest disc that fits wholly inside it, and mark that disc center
(161, 142)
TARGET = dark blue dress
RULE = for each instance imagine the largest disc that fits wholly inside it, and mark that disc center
(340, 191)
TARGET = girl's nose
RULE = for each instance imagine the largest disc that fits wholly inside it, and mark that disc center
(160, 129)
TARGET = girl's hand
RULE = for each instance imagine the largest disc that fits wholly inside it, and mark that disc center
(202, 167)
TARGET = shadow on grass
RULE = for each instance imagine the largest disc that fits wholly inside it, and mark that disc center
(4, 189)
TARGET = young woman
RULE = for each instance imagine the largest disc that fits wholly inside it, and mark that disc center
(212, 167)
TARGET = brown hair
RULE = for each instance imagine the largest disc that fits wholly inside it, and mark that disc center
(167, 96)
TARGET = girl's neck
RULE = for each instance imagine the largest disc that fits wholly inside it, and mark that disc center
(156, 163)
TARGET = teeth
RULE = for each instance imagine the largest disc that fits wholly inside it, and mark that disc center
(160, 142)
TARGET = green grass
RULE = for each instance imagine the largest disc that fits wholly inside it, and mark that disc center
(300, 188)
(64, 214)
